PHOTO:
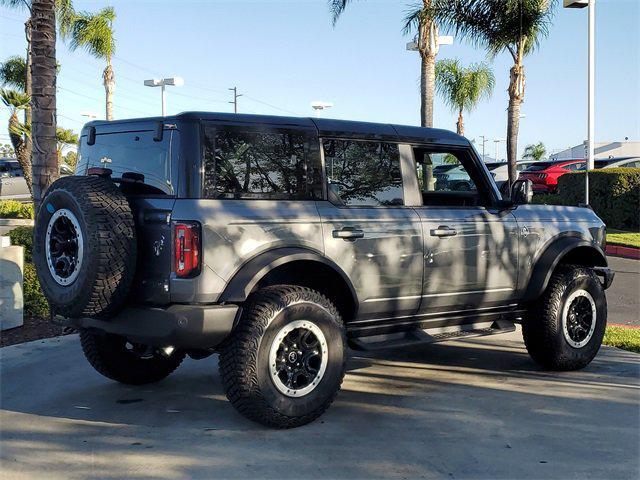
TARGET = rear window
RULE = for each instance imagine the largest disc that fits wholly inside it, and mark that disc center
(135, 152)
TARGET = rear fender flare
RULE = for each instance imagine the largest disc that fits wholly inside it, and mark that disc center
(255, 269)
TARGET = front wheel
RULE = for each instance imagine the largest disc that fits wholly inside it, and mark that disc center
(285, 362)
(564, 329)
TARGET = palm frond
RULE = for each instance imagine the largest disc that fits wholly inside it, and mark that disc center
(14, 100)
(462, 88)
(94, 33)
(337, 8)
(496, 25)
(13, 72)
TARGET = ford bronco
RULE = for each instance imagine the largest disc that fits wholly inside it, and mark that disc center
(278, 242)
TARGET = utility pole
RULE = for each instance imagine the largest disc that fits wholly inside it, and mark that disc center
(235, 99)
(484, 140)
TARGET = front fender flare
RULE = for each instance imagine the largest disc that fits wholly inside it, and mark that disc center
(551, 257)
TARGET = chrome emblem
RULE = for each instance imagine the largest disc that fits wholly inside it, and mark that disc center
(158, 245)
(524, 232)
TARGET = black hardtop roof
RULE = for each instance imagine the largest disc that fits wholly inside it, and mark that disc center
(325, 126)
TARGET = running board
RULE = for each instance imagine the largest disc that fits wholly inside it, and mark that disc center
(431, 335)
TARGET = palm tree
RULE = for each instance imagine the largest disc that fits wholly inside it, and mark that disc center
(535, 151)
(43, 97)
(13, 73)
(421, 21)
(94, 32)
(18, 131)
(65, 137)
(463, 87)
(514, 26)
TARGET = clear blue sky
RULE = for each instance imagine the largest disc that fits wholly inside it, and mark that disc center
(286, 53)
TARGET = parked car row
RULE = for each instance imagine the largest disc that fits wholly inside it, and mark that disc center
(544, 174)
(13, 185)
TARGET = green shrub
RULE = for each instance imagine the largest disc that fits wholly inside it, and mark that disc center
(14, 209)
(614, 194)
(35, 304)
(547, 199)
(23, 236)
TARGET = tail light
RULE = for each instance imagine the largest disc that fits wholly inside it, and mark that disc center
(187, 249)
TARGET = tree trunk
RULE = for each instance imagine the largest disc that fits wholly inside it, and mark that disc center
(109, 80)
(43, 99)
(427, 87)
(20, 148)
(516, 97)
(28, 143)
(460, 123)
(428, 47)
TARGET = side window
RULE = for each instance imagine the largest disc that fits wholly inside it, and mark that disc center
(362, 173)
(241, 163)
(448, 179)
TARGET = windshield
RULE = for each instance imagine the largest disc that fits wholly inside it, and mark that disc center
(134, 152)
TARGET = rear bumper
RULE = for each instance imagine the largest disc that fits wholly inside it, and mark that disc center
(179, 326)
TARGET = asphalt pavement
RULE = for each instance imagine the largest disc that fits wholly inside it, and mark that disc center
(473, 409)
(622, 297)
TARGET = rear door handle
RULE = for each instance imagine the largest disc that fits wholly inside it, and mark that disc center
(443, 231)
(348, 233)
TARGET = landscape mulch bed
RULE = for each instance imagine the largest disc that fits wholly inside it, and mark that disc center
(34, 328)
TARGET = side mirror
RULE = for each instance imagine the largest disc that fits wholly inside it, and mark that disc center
(522, 192)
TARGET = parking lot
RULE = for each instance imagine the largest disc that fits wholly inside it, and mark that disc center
(474, 409)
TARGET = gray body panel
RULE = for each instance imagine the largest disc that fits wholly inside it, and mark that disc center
(394, 261)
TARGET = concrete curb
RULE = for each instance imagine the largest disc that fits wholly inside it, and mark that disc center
(624, 252)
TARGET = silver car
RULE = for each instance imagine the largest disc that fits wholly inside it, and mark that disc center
(278, 242)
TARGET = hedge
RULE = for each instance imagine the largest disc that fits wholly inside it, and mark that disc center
(614, 194)
(14, 209)
(35, 304)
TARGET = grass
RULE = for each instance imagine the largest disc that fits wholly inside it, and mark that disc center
(623, 337)
(627, 239)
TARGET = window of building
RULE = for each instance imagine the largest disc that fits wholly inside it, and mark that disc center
(361, 173)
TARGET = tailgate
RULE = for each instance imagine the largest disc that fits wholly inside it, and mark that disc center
(153, 229)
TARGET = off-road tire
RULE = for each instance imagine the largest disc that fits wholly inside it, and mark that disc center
(244, 358)
(542, 328)
(108, 354)
(109, 245)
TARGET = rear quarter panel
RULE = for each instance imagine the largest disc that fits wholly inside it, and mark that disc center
(235, 231)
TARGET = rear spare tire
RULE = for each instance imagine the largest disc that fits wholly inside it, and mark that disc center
(85, 247)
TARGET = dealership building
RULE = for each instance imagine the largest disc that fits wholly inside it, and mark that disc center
(603, 150)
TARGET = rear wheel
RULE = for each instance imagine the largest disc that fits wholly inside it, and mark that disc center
(285, 362)
(127, 362)
(564, 329)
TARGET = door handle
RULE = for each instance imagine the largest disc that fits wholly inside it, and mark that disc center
(443, 231)
(348, 233)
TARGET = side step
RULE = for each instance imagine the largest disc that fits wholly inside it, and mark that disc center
(432, 335)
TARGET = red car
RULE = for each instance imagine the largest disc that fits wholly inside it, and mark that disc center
(544, 175)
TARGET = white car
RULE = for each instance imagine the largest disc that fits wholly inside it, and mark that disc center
(13, 186)
(500, 170)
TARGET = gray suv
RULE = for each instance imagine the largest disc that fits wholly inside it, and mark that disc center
(278, 242)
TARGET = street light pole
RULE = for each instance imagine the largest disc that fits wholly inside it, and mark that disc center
(592, 93)
(173, 81)
(591, 86)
